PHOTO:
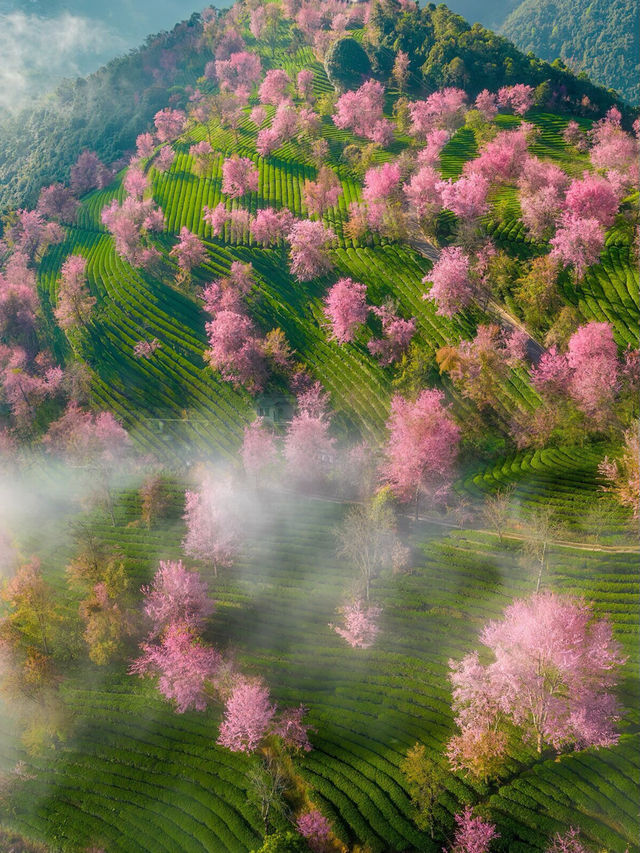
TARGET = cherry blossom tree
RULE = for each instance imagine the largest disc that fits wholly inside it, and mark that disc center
(145, 145)
(130, 224)
(452, 288)
(164, 158)
(58, 202)
(443, 109)
(88, 173)
(487, 105)
(396, 335)
(258, 448)
(518, 98)
(177, 597)
(217, 217)
(435, 141)
(578, 243)
(258, 116)
(381, 182)
(18, 300)
(235, 349)
(290, 727)
(592, 356)
(422, 447)
(31, 234)
(275, 87)
(74, 300)
(323, 193)
(135, 182)
(622, 476)
(308, 447)
(189, 251)
(473, 834)
(182, 664)
(316, 829)
(400, 70)
(241, 69)
(212, 527)
(361, 112)
(310, 242)
(203, 158)
(423, 193)
(592, 197)
(360, 624)
(346, 308)
(169, 124)
(466, 197)
(239, 176)
(502, 159)
(248, 714)
(567, 842)
(26, 385)
(145, 349)
(270, 226)
(572, 135)
(304, 85)
(552, 671)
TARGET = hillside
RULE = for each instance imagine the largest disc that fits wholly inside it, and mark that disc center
(598, 38)
(336, 366)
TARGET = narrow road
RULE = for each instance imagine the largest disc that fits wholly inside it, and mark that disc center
(417, 240)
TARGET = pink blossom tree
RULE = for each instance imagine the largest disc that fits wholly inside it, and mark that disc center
(276, 86)
(578, 243)
(58, 202)
(130, 223)
(189, 251)
(346, 308)
(466, 197)
(518, 98)
(135, 182)
(567, 842)
(502, 159)
(248, 714)
(235, 349)
(396, 335)
(258, 116)
(423, 194)
(88, 173)
(360, 624)
(552, 672)
(292, 730)
(212, 527)
(361, 112)
(592, 197)
(310, 242)
(145, 145)
(18, 300)
(182, 664)
(592, 356)
(176, 597)
(444, 109)
(622, 476)
(270, 226)
(473, 834)
(239, 176)
(258, 449)
(169, 124)
(400, 70)
(203, 158)
(241, 69)
(75, 303)
(487, 105)
(308, 447)
(435, 141)
(323, 193)
(381, 182)
(31, 234)
(164, 158)
(145, 349)
(304, 85)
(452, 288)
(316, 829)
(217, 217)
(422, 447)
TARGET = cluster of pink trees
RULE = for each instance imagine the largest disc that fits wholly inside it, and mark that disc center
(551, 674)
(361, 112)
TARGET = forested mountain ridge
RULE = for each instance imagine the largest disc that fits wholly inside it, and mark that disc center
(600, 38)
(107, 110)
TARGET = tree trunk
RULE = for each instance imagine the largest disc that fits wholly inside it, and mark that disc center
(539, 744)
(417, 503)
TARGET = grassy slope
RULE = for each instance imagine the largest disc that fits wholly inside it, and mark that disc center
(140, 778)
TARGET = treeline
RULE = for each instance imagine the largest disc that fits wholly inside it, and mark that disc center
(444, 50)
(103, 112)
(599, 37)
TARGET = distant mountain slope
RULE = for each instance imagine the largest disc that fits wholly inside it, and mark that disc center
(599, 37)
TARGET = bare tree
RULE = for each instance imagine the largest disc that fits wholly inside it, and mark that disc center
(367, 539)
(497, 509)
(269, 786)
(542, 528)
